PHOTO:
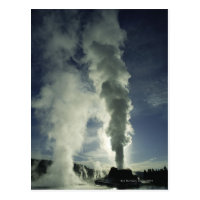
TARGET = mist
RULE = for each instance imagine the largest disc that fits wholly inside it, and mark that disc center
(63, 104)
(66, 101)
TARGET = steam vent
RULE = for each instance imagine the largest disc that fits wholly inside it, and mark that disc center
(119, 178)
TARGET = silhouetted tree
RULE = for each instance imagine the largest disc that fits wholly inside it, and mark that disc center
(159, 177)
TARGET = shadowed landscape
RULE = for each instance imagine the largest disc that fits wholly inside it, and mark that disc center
(120, 179)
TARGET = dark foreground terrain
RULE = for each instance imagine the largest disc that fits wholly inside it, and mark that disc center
(39, 168)
(115, 179)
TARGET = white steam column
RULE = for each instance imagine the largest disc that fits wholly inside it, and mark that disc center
(102, 40)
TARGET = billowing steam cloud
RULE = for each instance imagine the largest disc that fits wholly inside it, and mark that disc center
(64, 103)
(101, 42)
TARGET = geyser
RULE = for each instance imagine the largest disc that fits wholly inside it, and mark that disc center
(119, 178)
(63, 104)
(102, 42)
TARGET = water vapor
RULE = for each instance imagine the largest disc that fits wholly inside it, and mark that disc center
(63, 104)
(102, 42)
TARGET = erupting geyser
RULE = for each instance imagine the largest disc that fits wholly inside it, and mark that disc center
(64, 104)
(102, 40)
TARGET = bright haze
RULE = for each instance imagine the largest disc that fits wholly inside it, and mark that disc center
(99, 90)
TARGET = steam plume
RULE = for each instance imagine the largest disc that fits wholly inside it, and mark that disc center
(102, 40)
(63, 103)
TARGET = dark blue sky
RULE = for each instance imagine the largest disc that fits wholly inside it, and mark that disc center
(146, 58)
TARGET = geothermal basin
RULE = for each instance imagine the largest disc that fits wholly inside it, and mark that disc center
(119, 178)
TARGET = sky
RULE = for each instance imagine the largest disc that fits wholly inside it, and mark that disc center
(61, 70)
